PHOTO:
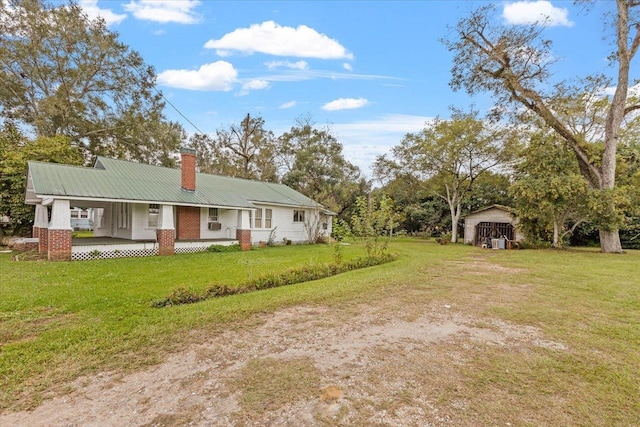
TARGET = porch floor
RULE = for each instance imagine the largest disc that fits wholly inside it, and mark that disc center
(92, 241)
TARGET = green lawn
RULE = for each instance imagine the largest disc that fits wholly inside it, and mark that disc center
(59, 321)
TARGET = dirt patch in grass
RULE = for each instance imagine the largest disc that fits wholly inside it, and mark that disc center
(388, 370)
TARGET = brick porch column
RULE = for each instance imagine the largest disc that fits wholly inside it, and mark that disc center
(43, 241)
(41, 228)
(166, 231)
(243, 230)
(59, 233)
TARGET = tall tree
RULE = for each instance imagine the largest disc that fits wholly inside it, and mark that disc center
(548, 188)
(448, 157)
(513, 63)
(15, 151)
(315, 166)
(245, 150)
(64, 74)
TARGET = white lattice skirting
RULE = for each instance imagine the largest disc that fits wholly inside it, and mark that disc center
(199, 246)
(83, 253)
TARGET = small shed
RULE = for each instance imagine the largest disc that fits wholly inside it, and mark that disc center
(493, 221)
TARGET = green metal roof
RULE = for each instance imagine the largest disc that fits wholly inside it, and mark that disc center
(113, 179)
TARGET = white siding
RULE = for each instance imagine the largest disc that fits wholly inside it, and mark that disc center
(285, 228)
(139, 225)
(281, 221)
(105, 230)
(228, 218)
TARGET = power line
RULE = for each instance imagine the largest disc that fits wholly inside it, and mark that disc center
(177, 110)
(168, 102)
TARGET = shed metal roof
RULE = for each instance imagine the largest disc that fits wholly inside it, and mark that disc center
(113, 179)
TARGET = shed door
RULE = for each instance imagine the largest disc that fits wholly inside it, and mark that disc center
(488, 230)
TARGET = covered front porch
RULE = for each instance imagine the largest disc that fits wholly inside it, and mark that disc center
(85, 248)
(133, 229)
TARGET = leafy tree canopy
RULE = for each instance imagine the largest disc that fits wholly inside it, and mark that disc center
(448, 157)
(315, 165)
(245, 150)
(514, 64)
(15, 151)
(66, 75)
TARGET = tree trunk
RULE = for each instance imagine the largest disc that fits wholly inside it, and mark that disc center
(610, 241)
(455, 217)
(627, 48)
(556, 234)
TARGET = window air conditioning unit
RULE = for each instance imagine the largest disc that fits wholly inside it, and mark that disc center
(214, 226)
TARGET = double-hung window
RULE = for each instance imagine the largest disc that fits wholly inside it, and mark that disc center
(268, 213)
(298, 215)
(263, 218)
(154, 213)
(258, 220)
(213, 220)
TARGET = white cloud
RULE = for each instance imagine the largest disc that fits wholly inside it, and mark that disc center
(217, 76)
(347, 66)
(256, 85)
(164, 11)
(345, 104)
(536, 12)
(91, 8)
(298, 65)
(632, 91)
(289, 104)
(365, 140)
(273, 39)
(301, 75)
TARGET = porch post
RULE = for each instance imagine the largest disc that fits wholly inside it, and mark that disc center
(41, 228)
(243, 231)
(59, 233)
(166, 231)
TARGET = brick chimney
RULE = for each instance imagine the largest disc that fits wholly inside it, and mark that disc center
(188, 167)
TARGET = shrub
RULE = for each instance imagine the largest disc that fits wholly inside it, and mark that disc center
(222, 248)
(177, 297)
(273, 280)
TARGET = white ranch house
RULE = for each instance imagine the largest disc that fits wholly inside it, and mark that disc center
(143, 210)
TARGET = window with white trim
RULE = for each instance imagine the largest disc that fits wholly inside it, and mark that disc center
(268, 213)
(258, 223)
(84, 213)
(213, 220)
(74, 213)
(213, 214)
(298, 215)
(154, 214)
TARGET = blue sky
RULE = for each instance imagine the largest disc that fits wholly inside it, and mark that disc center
(371, 70)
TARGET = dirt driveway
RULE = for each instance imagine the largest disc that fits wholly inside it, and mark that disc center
(393, 364)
